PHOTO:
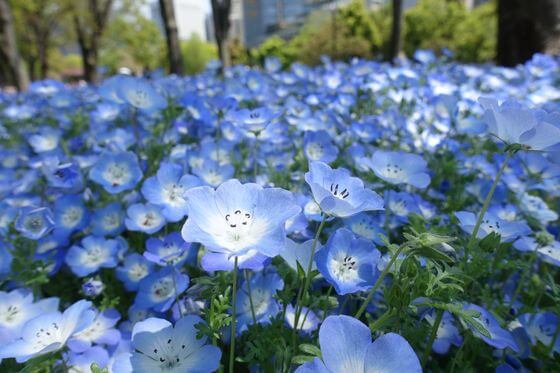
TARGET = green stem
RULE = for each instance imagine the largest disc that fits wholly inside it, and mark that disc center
(308, 270)
(379, 280)
(176, 293)
(255, 156)
(344, 303)
(233, 317)
(486, 204)
(326, 304)
(303, 290)
(377, 324)
(554, 339)
(433, 334)
(526, 273)
(246, 273)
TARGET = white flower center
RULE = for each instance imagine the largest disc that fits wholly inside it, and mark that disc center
(392, 171)
(116, 174)
(344, 267)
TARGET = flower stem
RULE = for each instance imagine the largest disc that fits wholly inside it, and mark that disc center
(550, 347)
(176, 293)
(246, 273)
(486, 204)
(524, 276)
(233, 315)
(307, 282)
(303, 290)
(380, 280)
(433, 334)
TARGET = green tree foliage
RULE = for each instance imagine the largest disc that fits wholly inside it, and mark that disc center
(197, 53)
(277, 47)
(475, 39)
(136, 42)
(437, 24)
(431, 24)
(359, 23)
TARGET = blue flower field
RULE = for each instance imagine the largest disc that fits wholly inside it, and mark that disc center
(348, 217)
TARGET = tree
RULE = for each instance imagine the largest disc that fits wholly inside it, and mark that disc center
(36, 23)
(90, 19)
(220, 15)
(395, 48)
(172, 36)
(526, 28)
(197, 53)
(10, 63)
(135, 42)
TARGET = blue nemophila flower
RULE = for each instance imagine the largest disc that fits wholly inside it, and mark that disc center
(295, 253)
(308, 322)
(46, 140)
(146, 218)
(536, 208)
(508, 230)
(70, 214)
(116, 172)
(161, 347)
(550, 253)
(348, 263)
(236, 218)
(338, 193)
(318, 146)
(93, 287)
(65, 175)
(252, 120)
(6, 259)
(167, 190)
(540, 327)
(34, 222)
(264, 286)
(159, 289)
(346, 346)
(82, 362)
(93, 254)
(499, 337)
(101, 331)
(251, 259)
(399, 168)
(140, 93)
(213, 173)
(367, 225)
(514, 124)
(108, 220)
(447, 333)
(133, 270)
(16, 308)
(170, 250)
(49, 332)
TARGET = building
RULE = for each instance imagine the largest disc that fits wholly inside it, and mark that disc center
(189, 14)
(253, 21)
(264, 18)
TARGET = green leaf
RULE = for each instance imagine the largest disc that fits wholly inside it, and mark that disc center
(301, 359)
(431, 252)
(310, 349)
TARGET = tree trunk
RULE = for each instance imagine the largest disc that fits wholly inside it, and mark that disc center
(43, 49)
(220, 16)
(395, 48)
(89, 60)
(526, 28)
(89, 35)
(172, 37)
(9, 55)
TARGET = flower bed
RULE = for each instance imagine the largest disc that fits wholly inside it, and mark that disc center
(344, 218)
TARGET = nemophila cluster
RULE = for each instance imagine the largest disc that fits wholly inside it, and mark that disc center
(347, 217)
